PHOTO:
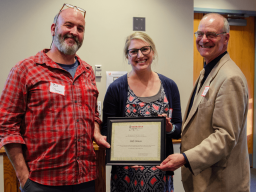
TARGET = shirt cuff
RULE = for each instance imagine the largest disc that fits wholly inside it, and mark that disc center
(97, 120)
(173, 129)
(11, 139)
(187, 162)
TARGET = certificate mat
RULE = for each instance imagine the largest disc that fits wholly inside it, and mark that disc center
(136, 141)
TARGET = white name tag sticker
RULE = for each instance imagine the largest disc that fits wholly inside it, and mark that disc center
(56, 88)
(206, 89)
(170, 113)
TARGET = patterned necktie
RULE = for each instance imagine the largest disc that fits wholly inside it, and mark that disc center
(200, 81)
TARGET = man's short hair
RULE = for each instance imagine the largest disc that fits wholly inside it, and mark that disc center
(56, 18)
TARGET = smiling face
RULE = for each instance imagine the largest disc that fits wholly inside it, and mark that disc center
(69, 31)
(212, 48)
(140, 62)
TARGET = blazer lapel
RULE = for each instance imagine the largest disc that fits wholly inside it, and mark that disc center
(186, 111)
(199, 96)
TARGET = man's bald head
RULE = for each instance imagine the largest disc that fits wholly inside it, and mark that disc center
(55, 20)
(225, 23)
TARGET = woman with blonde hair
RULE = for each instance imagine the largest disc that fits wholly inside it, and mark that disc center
(143, 93)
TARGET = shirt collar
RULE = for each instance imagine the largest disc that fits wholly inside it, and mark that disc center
(208, 68)
(42, 58)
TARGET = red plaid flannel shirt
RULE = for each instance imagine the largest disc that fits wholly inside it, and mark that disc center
(56, 130)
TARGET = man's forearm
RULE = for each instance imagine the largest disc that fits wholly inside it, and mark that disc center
(14, 152)
(98, 138)
(96, 129)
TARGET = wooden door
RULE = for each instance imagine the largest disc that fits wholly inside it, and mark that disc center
(241, 49)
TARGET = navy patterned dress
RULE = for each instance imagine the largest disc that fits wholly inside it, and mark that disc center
(147, 178)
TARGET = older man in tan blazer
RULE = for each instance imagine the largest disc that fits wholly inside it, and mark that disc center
(214, 141)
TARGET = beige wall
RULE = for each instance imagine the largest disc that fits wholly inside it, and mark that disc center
(25, 29)
(246, 5)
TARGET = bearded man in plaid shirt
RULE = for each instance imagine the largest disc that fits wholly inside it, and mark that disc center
(48, 113)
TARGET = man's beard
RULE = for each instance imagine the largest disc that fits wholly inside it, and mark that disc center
(63, 47)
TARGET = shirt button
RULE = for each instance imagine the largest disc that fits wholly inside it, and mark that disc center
(75, 101)
(78, 139)
(77, 158)
(77, 120)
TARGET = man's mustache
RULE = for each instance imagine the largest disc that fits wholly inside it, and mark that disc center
(71, 36)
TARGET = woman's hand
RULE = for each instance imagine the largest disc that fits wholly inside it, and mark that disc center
(168, 122)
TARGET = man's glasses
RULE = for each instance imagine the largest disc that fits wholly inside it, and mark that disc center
(65, 5)
(134, 52)
(74, 7)
(209, 35)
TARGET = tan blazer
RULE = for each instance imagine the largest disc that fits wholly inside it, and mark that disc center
(214, 134)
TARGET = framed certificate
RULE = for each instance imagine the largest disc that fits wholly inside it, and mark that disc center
(136, 141)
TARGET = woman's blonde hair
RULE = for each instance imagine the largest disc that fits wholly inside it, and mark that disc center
(142, 36)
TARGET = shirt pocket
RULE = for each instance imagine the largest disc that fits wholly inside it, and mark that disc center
(41, 97)
(44, 105)
(205, 111)
(205, 104)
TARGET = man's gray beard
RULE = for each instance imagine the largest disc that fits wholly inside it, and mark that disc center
(60, 43)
